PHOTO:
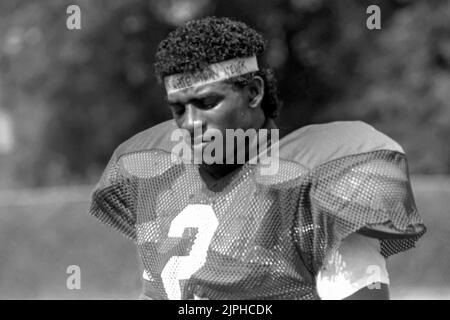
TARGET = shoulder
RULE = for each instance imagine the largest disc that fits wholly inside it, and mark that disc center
(149, 153)
(157, 137)
(320, 143)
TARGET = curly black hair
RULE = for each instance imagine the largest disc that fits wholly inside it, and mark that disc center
(199, 43)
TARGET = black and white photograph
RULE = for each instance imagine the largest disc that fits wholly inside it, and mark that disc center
(224, 150)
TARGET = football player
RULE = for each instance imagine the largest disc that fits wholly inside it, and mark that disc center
(318, 225)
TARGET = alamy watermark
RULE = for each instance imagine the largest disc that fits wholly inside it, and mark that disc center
(73, 21)
(73, 281)
(374, 20)
(236, 146)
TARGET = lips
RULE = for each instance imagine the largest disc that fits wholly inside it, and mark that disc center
(197, 141)
(200, 141)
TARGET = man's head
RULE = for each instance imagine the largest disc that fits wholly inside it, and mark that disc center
(211, 74)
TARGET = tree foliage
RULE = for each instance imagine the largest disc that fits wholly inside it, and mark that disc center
(76, 94)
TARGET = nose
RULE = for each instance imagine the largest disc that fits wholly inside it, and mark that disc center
(192, 121)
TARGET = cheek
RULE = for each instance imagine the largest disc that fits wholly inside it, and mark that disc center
(233, 114)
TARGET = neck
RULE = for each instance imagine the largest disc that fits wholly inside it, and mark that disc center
(218, 171)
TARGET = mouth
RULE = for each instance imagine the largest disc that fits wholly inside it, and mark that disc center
(199, 141)
(200, 145)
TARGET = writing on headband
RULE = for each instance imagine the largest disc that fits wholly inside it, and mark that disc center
(214, 72)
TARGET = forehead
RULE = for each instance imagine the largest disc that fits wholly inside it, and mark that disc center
(198, 92)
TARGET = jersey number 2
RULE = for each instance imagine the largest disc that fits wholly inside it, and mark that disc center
(198, 216)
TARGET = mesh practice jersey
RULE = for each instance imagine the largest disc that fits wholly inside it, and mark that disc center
(257, 236)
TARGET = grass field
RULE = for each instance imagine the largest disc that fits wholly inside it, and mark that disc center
(50, 230)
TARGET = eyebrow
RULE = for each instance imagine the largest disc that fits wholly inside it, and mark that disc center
(211, 94)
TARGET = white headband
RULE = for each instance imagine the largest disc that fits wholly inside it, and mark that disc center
(214, 72)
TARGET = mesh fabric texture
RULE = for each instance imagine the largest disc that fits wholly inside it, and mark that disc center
(273, 231)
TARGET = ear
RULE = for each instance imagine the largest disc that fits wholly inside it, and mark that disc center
(255, 91)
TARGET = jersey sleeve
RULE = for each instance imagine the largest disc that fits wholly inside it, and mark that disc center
(369, 193)
(113, 199)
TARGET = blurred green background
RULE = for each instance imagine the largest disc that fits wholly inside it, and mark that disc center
(69, 97)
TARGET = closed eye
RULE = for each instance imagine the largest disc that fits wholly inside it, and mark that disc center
(209, 102)
(177, 108)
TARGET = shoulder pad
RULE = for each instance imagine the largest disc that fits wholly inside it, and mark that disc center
(154, 138)
(316, 144)
(148, 153)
